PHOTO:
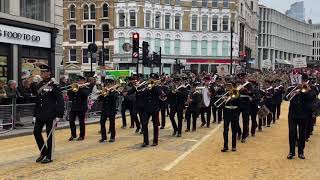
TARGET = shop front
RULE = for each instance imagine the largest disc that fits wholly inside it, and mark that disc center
(208, 65)
(23, 48)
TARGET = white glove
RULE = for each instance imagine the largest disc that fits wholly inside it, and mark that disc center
(33, 120)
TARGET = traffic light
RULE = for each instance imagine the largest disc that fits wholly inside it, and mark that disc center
(156, 59)
(100, 58)
(145, 50)
(135, 45)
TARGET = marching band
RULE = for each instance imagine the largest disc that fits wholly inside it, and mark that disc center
(187, 97)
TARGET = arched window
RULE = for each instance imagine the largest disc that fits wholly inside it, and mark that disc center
(105, 10)
(194, 22)
(205, 23)
(177, 19)
(157, 20)
(73, 32)
(92, 11)
(215, 23)
(122, 18)
(72, 11)
(225, 23)
(105, 31)
(204, 47)
(85, 11)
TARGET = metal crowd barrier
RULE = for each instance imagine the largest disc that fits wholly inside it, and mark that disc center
(18, 116)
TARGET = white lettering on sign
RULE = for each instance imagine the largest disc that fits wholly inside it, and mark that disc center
(296, 79)
(21, 36)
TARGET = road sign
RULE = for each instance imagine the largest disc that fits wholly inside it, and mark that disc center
(135, 55)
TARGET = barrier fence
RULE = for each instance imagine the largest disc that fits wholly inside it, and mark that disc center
(18, 116)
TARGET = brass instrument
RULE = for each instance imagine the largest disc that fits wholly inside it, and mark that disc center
(152, 83)
(233, 93)
(174, 89)
(105, 91)
(303, 88)
(75, 86)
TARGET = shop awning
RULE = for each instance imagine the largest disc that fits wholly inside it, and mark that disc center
(211, 61)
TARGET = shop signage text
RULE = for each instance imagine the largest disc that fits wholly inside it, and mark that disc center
(15, 35)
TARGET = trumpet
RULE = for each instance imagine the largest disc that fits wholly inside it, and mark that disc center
(233, 93)
(152, 83)
(75, 87)
(105, 91)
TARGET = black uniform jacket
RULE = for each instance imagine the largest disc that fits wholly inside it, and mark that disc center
(109, 103)
(195, 104)
(151, 101)
(178, 99)
(301, 105)
(49, 102)
(79, 99)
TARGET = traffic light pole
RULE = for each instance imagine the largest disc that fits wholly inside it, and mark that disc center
(160, 67)
(103, 61)
(231, 51)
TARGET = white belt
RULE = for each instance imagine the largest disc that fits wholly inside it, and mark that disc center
(231, 107)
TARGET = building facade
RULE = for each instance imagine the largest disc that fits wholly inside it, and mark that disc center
(248, 32)
(316, 41)
(30, 35)
(196, 33)
(281, 39)
(87, 22)
(297, 11)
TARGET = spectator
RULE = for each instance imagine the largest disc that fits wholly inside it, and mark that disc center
(13, 94)
(3, 93)
(25, 92)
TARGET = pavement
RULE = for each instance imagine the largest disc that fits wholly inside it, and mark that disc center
(196, 155)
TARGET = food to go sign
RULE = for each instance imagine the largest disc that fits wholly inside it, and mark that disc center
(21, 36)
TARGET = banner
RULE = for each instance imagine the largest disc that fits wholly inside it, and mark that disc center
(296, 79)
(266, 64)
(300, 62)
(223, 70)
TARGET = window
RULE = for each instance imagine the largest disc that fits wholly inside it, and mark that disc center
(204, 47)
(4, 6)
(105, 31)
(225, 3)
(204, 23)
(121, 19)
(177, 22)
(72, 55)
(194, 47)
(177, 47)
(72, 11)
(167, 46)
(225, 48)
(204, 3)
(73, 32)
(148, 19)
(85, 12)
(105, 10)
(194, 22)
(215, 23)
(35, 9)
(177, 2)
(89, 33)
(194, 3)
(85, 56)
(168, 2)
(92, 11)
(157, 44)
(121, 42)
(214, 3)
(157, 20)
(214, 48)
(225, 23)
(167, 21)
(132, 18)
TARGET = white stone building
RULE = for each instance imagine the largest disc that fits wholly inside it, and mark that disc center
(281, 39)
(316, 41)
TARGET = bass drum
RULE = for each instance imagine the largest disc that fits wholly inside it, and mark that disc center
(205, 97)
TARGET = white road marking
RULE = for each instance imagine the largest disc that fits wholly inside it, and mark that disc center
(192, 140)
(184, 155)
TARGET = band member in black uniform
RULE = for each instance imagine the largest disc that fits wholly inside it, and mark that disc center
(164, 90)
(244, 108)
(312, 118)
(49, 106)
(79, 97)
(176, 99)
(129, 94)
(299, 112)
(152, 107)
(219, 91)
(204, 109)
(278, 94)
(193, 106)
(254, 103)
(139, 102)
(231, 116)
(267, 100)
(274, 100)
(108, 97)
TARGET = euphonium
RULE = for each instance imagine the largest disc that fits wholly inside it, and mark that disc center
(304, 88)
(234, 93)
(152, 83)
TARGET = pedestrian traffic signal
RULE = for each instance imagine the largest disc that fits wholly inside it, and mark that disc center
(135, 45)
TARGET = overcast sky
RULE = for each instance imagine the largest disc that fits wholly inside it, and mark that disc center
(311, 6)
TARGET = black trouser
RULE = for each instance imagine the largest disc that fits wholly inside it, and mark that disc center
(163, 117)
(214, 112)
(155, 122)
(293, 124)
(133, 114)
(274, 113)
(245, 125)
(194, 115)
(262, 122)
(81, 116)
(269, 117)
(278, 109)
(230, 117)
(47, 150)
(208, 111)
(309, 127)
(179, 111)
(112, 127)
(253, 114)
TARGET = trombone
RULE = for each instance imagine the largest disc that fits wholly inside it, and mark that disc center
(303, 88)
(231, 94)
(147, 85)
(75, 87)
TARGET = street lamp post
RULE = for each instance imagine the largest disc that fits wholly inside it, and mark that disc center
(231, 43)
